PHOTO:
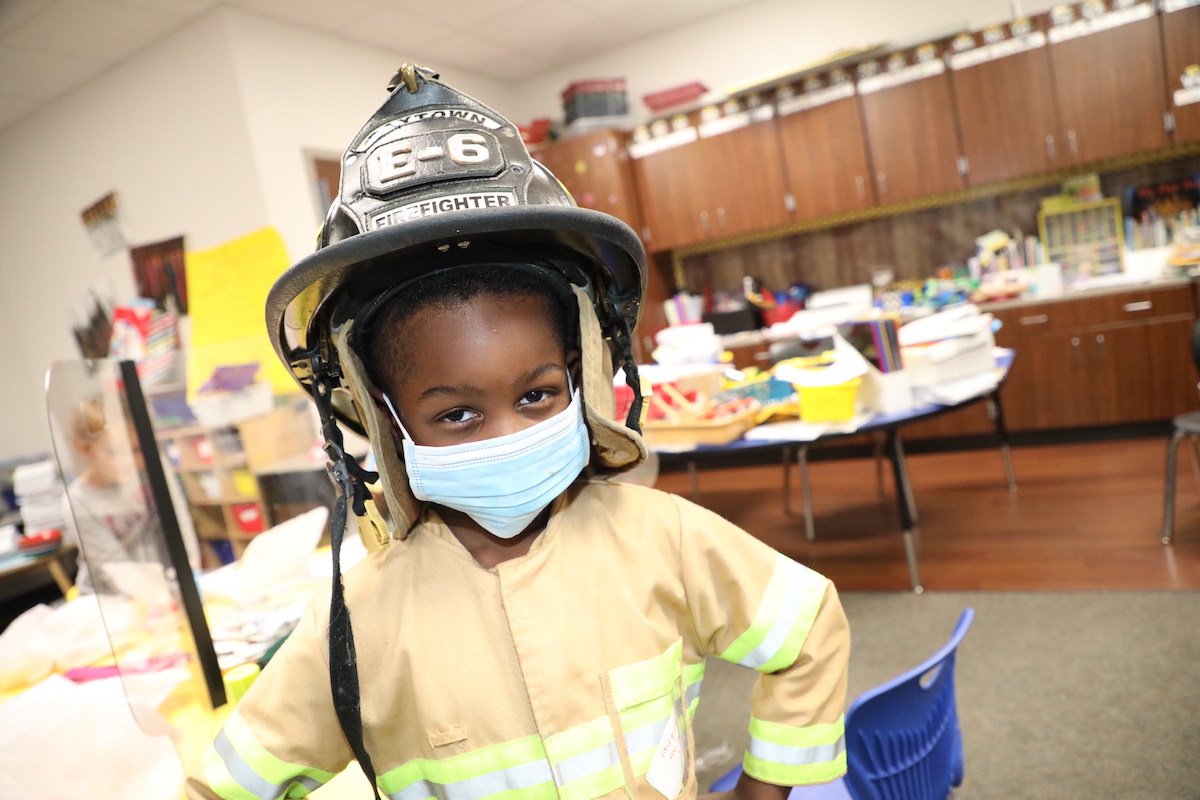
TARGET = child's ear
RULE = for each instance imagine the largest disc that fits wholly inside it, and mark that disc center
(377, 397)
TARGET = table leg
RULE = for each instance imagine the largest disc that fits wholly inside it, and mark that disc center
(787, 479)
(60, 575)
(880, 439)
(1168, 531)
(695, 480)
(906, 507)
(997, 410)
(802, 460)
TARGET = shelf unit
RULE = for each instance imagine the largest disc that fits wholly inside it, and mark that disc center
(222, 493)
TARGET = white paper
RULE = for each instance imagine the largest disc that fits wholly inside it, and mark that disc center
(669, 765)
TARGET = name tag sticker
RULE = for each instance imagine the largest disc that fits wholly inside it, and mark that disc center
(668, 767)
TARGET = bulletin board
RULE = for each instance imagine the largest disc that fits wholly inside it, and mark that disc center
(227, 296)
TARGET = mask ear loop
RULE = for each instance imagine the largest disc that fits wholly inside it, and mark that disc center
(396, 417)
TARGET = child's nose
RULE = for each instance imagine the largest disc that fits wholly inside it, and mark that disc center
(508, 423)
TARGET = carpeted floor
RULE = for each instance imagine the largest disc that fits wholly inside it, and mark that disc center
(1060, 694)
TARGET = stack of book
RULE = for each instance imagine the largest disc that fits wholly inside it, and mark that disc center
(39, 494)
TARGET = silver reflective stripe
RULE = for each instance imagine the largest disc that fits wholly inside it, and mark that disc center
(250, 780)
(784, 620)
(586, 763)
(645, 737)
(693, 692)
(501, 780)
(796, 756)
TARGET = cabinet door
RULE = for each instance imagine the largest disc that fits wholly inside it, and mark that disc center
(595, 170)
(742, 181)
(1181, 39)
(826, 158)
(671, 187)
(1007, 116)
(1110, 89)
(1062, 386)
(913, 138)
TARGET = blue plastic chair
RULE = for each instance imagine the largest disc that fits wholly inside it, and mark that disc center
(902, 738)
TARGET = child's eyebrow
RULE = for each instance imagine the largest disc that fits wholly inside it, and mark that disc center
(537, 372)
(462, 388)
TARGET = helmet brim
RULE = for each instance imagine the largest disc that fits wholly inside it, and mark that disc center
(401, 252)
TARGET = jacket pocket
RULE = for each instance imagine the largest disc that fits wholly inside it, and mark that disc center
(650, 724)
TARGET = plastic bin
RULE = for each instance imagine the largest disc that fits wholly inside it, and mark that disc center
(829, 403)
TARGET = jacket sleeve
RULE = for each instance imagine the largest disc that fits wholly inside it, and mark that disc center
(283, 739)
(753, 606)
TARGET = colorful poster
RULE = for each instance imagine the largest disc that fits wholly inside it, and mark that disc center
(227, 295)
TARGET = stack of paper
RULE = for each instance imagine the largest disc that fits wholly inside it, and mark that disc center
(39, 495)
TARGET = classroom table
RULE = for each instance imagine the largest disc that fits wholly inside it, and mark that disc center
(889, 425)
(15, 564)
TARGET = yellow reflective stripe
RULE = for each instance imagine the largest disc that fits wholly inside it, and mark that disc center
(640, 716)
(272, 769)
(799, 775)
(788, 755)
(783, 619)
(485, 762)
(595, 785)
(791, 736)
(580, 739)
(644, 680)
(219, 779)
(693, 676)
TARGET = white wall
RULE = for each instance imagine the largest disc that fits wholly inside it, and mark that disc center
(166, 131)
(304, 91)
(759, 40)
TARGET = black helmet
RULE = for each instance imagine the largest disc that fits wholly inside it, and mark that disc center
(436, 178)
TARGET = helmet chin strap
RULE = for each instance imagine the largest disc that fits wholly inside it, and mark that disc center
(350, 481)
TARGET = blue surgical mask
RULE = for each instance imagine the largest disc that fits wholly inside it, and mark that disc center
(505, 482)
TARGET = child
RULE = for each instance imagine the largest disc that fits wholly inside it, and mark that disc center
(101, 505)
(531, 630)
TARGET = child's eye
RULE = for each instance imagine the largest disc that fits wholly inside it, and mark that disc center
(532, 398)
(459, 416)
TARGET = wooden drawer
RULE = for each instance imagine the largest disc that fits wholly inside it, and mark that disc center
(1091, 312)
(1039, 318)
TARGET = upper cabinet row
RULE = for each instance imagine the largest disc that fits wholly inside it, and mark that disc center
(1084, 83)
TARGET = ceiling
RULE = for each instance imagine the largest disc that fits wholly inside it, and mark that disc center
(48, 47)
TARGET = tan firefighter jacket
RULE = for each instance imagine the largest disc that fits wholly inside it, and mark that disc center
(569, 673)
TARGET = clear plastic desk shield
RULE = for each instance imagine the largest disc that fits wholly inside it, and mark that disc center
(134, 557)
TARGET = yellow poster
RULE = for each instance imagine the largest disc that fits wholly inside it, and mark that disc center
(227, 298)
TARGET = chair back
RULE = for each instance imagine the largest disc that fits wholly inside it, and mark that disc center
(902, 738)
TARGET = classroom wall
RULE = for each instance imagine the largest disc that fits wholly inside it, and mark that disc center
(305, 92)
(757, 40)
(166, 131)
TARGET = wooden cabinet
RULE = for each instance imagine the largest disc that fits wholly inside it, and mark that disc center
(595, 169)
(671, 185)
(745, 182)
(1109, 360)
(1108, 79)
(824, 148)
(908, 108)
(1005, 101)
(1181, 40)
(712, 186)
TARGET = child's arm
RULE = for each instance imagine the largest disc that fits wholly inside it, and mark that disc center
(752, 606)
(284, 733)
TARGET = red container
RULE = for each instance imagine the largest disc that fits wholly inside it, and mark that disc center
(248, 516)
(780, 313)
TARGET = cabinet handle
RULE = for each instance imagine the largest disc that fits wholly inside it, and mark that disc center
(1100, 345)
(1049, 147)
(704, 222)
(1036, 319)
(881, 180)
(721, 217)
(1075, 350)
(861, 185)
(1141, 305)
(1071, 143)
